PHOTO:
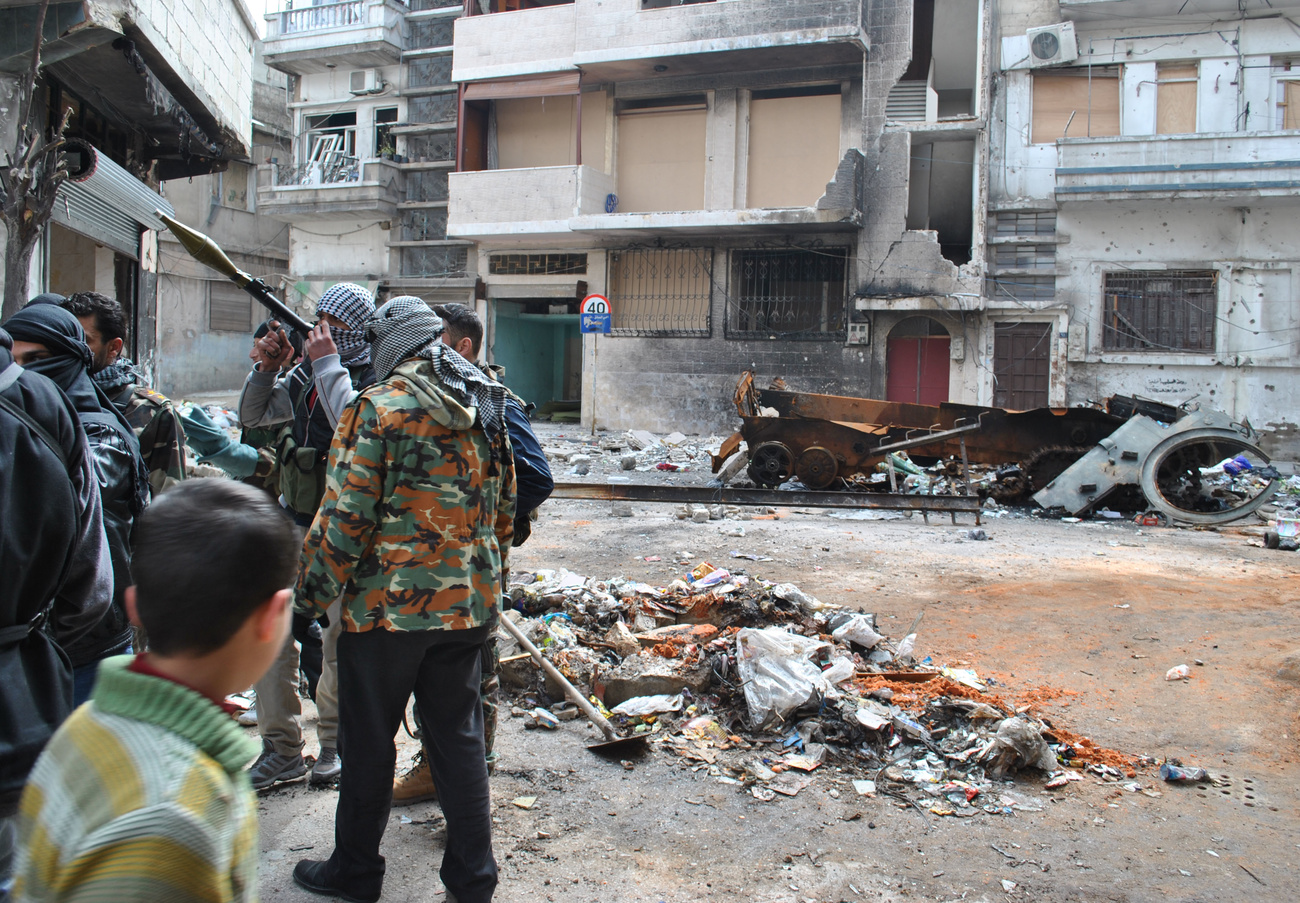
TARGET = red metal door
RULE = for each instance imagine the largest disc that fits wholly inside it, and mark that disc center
(916, 369)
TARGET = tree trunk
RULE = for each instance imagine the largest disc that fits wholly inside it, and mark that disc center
(18, 264)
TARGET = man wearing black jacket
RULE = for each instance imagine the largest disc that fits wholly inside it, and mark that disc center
(58, 575)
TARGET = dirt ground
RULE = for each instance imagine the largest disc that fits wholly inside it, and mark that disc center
(1099, 609)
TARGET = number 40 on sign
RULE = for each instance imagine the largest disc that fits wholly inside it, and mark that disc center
(595, 313)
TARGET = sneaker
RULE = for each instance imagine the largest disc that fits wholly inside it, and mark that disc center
(248, 717)
(327, 768)
(272, 767)
(314, 875)
(416, 786)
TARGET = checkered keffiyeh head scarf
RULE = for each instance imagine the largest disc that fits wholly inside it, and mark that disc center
(405, 327)
(352, 304)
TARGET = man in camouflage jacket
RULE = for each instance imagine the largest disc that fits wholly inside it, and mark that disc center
(414, 530)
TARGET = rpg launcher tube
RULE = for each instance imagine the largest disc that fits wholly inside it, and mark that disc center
(207, 252)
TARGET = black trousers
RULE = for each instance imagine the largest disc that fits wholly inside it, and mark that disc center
(378, 671)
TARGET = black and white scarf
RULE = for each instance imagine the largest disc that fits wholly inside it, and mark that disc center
(405, 327)
(352, 304)
(122, 372)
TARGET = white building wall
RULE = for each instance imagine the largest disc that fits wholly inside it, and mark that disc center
(1248, 239)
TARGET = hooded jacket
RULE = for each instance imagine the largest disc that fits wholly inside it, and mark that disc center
(52, 547)
(414, 530)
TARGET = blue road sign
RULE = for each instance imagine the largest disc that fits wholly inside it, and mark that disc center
(595, 322)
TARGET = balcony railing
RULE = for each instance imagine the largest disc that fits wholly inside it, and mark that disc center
(326, 15)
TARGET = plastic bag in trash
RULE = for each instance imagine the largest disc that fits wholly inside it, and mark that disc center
(639, 706)
(778, 671)
(788, 592)
(1019, 744)
(857, 629)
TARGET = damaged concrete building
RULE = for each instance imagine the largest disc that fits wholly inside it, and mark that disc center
(1143, 199)
(789, 187)
(1005, 202)
(155, 91)
(364, 188)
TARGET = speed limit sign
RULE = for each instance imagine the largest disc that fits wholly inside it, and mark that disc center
(595, 314)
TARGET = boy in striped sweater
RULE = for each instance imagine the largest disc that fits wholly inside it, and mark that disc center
(141, 795)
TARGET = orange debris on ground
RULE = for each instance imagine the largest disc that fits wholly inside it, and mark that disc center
(913, 695)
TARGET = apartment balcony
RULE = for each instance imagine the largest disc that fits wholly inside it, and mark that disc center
(1225, 166)
(621, 40)
(354, 34)
(535, 203)
(312, 192)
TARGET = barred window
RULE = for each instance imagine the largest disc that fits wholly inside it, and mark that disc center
(660, 291)
(230, 308)
(1167, 310)
(537, 264)
(793, 293)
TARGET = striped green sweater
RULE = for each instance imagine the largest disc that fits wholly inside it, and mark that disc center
(140, 796)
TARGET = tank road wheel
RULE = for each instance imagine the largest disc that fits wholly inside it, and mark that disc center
(771, 464)
(816, 467)
(1172, 481)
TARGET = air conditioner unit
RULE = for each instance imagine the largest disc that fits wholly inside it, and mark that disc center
(367, 81)
(1052, 44)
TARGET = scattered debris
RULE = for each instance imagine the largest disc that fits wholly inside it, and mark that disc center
(767, 688)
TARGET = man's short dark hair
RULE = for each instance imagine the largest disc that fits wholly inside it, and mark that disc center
(462, 322)
(110, 319)
(207, 553)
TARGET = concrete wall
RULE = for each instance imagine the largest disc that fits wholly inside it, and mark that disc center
(209, 45)
(191, 356)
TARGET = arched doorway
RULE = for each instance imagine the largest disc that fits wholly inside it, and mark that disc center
(916, 362)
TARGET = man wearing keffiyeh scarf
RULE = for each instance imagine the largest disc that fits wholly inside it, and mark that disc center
(305, 401)
(414, 532)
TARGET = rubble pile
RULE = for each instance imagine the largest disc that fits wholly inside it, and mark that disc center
(766, 687)
(636, 451)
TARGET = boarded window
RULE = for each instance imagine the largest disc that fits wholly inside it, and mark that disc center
(231, 187)
(1021, 365)
(1176, 98)
(791, 293)
(1074, 104)
(230, 309)
(1169, 310)
(1024, 257)
(794, 146)
(659, 291)
(536, 131)
(661, 159)
(1021, 289)
(1017, 222)
(1289, 104)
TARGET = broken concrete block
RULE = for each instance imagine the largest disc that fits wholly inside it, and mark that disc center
(628, 462)
(700, 516)
(620, 509)
(639, 439)
(674, 438)
(622, 639)
(717, 512)
(581, 464)
(732, 466)
(650, 675)
(685, 512)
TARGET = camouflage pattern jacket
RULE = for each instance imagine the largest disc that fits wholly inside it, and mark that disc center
(158, 428)
(413, 530)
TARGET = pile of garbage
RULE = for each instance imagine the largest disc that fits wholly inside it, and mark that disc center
(765, 686)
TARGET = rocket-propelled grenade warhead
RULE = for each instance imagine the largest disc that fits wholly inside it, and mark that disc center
(208, 252)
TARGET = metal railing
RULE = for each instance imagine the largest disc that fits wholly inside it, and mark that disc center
(661, 291)
(326, 15)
